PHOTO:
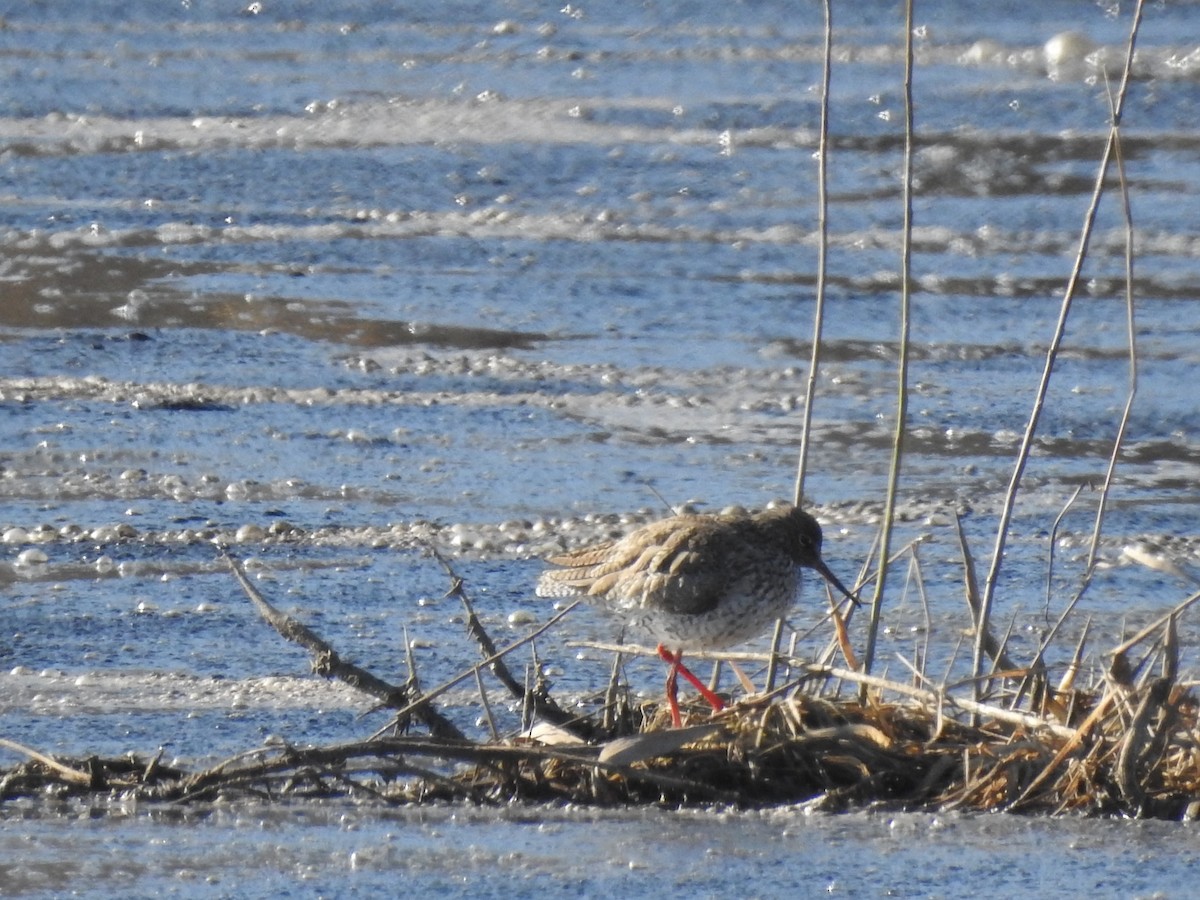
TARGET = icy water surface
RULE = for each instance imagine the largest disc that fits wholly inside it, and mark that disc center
(319, 851)
(333, 283)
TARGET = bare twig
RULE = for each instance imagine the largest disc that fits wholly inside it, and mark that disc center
(328, 664)
(484, 663)
(1062, 513)
(543, 704)
(612, 694)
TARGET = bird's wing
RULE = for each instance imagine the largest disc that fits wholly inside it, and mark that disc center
(583, 556)
(668, 565)
(682, 574)
(579, 569)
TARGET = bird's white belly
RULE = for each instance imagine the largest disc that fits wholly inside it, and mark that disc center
(738, 618)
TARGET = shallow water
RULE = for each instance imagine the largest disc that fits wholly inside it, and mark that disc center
(329, 285)
(340, 851)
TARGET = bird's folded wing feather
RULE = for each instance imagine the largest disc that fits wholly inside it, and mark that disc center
(672, 568)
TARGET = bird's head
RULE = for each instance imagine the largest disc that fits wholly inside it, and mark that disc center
(804, 543)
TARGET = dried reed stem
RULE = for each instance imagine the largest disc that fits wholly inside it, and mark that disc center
(1110, 149)
(1130, 332)
(889, 509)
(934, 698)
(810, 389)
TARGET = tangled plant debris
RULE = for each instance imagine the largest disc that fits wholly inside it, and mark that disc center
(1126, 745)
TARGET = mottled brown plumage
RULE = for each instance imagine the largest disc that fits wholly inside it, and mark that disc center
(697, 582)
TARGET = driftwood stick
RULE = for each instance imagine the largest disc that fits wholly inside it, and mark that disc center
(65, 772)
(328, 664)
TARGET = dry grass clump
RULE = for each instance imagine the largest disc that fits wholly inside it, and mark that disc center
(1129, 745)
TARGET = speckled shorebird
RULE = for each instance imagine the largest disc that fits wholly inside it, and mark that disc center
(697, 582)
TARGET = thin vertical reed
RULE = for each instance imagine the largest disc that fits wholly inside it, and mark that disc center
(1110, 149)
(1131, 334)
(810, 389)
(889, 510)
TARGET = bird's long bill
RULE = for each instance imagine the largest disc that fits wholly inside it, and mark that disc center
(828, 575)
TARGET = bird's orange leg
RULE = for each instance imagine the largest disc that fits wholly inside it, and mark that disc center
(675, 661)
